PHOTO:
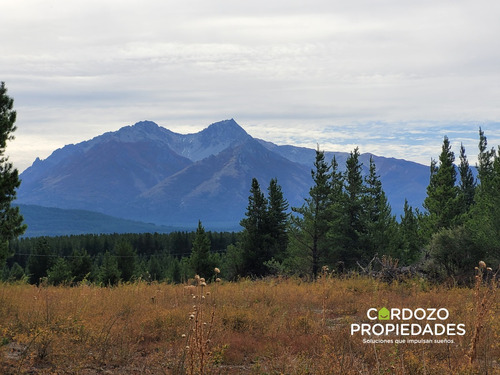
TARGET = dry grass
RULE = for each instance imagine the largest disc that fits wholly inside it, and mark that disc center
(253, 327)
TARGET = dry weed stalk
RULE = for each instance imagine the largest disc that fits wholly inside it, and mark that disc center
(197, 354)
(323, 279)
(485, 291)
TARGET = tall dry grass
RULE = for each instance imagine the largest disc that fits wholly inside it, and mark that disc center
(273, 326)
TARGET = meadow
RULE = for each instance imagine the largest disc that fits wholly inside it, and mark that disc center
(268, 326)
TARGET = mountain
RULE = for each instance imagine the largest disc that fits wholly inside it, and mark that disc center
(401, 179)
(97, 174)
(220, 185)
(45, 221)
(148, 173)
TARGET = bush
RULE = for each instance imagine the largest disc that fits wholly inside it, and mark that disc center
(455, 252)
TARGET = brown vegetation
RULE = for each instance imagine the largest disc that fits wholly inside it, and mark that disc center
(273, 326)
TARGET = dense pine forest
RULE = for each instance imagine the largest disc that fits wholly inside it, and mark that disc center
(344, 224)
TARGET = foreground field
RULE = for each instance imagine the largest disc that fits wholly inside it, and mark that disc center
(248, 327)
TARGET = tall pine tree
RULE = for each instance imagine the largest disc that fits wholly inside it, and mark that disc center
(337, 223)
(355, 226)
(277, 221)
(467, 183)
(255, 236)
(201, 259)
(310, 223)
(485, 161)
(380, 229)
(409, 233)
(11, 221)
(442, 198)
(126, 257)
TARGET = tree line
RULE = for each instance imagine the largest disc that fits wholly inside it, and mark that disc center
(110, 258)
(344, 223)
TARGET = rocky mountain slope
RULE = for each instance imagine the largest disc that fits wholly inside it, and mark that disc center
(148, 173)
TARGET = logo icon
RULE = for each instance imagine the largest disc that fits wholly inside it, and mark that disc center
(384, 314)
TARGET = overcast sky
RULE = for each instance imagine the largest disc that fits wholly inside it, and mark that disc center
(392, 77)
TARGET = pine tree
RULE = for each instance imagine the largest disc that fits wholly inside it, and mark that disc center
(60, 272)
(277, 220)
(174, 272)
(352, 249)
(485, 160)
(442, 198)
(155, 268)
(40, 261)
(11, 221)
(255, 236)
(126, 259)
(467, 182)
(409, 233)
(16, 273)
(380, 230)
(109, 273)
(200, 259)
(80, 265)
(310, 225)
(337, 222)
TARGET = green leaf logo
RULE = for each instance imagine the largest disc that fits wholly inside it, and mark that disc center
(384, 314)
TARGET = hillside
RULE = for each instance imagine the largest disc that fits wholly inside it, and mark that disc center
(45, 221)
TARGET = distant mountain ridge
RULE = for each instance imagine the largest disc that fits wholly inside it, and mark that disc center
(45, 221)
(148, 173)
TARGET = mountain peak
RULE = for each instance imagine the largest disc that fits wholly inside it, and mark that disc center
(140, 131)
(228, 128)
(225, 123)
(147, 125)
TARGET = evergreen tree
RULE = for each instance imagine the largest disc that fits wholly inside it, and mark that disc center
(11, 221)
(380, 229)
(337, 223)
(109, 273)
(310, 226)
(277, 221)
(442, 198)
(355, 226)
(409, 233)
(255, 236)
(233, 261)
(485, 161)
(60, 272)
(201, 259)
(155, 268)
(80, 265)
(16, 273)
(467, 182)
(174, 271)
(40, 261)
(126, 258)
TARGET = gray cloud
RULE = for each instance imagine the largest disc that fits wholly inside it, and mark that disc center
(301, 68)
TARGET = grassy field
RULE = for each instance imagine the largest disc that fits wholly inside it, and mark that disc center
(274, 326)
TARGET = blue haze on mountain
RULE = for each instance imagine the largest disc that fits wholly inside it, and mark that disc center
(147, 173)
(48, 221)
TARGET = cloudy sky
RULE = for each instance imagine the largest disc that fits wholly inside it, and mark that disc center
(391, 76)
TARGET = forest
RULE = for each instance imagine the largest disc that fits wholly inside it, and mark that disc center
(344, 224)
